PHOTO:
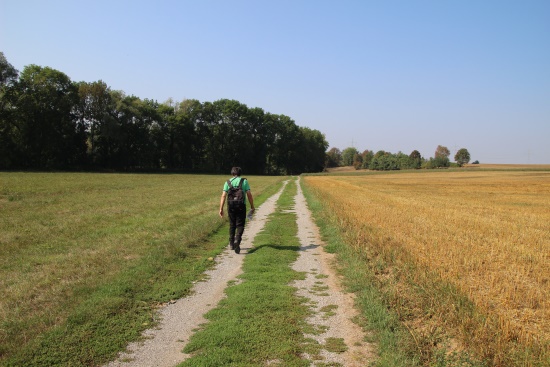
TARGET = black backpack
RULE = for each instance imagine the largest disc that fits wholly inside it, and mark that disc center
(235, 195)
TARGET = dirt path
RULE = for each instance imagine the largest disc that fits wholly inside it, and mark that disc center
(333, 309)
(163, 345)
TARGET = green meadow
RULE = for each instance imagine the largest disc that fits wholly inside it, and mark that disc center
(86, 258)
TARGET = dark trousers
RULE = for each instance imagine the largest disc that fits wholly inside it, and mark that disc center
(237, 217)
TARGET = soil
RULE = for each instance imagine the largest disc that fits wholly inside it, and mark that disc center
(333, 309)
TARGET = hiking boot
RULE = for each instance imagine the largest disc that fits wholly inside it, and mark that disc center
(237, 249)
(231, 245)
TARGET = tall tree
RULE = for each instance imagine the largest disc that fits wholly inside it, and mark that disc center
(312, 150)
(462, 157)
(416, 159)
(239, 145)
(136, 117)
(8, 129)
(109, 137)
(442, 152)
(227, 145)
(441, 158)
(257, 129)
(48, 133)
(93, 109)
(284, 153)
(188, 139)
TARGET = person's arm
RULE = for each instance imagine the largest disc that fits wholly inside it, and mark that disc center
(222, 202)
(250, 200)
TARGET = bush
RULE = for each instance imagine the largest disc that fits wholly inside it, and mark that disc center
(438, 162)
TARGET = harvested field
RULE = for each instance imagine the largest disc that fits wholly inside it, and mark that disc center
(486, 233)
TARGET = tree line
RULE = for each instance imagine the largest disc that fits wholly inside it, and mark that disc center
(49, 122)
(386, 161)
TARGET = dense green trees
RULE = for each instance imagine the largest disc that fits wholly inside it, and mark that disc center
(386, 161)
(44, 132)
(49, 122)
(347, 156)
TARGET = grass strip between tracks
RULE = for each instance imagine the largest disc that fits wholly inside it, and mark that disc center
(261, 321)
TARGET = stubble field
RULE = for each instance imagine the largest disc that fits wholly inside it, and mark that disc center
(481, 235)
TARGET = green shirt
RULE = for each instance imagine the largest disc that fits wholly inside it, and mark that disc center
(235, 182)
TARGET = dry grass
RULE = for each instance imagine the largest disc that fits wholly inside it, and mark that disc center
(341, 169)
(510, 166)
(487, 233)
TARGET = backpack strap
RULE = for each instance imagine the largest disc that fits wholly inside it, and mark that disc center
(241, 183)
(229, 184)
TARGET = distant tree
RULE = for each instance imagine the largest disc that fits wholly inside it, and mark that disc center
(403, 161)
(442, 152)
(441, 159)
(462, 157)
(366, 156)
(416, 159)
(333, 158)
(347, 156)
(357, 161)
(385, 161)
(475, 162)
(376, 161)
(438, 162)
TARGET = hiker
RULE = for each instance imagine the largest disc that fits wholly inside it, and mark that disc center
(234, 190)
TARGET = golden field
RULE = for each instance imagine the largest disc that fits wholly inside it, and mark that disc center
(485, 232)
(509, 166)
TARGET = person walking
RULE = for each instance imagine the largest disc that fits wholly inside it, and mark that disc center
(234, 191)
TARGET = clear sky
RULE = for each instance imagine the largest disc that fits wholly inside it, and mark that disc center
(393, 75)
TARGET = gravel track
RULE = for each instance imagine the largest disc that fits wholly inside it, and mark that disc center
(162, 346)
(333, 309)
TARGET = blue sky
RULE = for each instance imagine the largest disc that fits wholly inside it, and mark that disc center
(378, 75)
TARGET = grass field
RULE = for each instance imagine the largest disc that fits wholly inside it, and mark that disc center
(438, 240)
(86, 257)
